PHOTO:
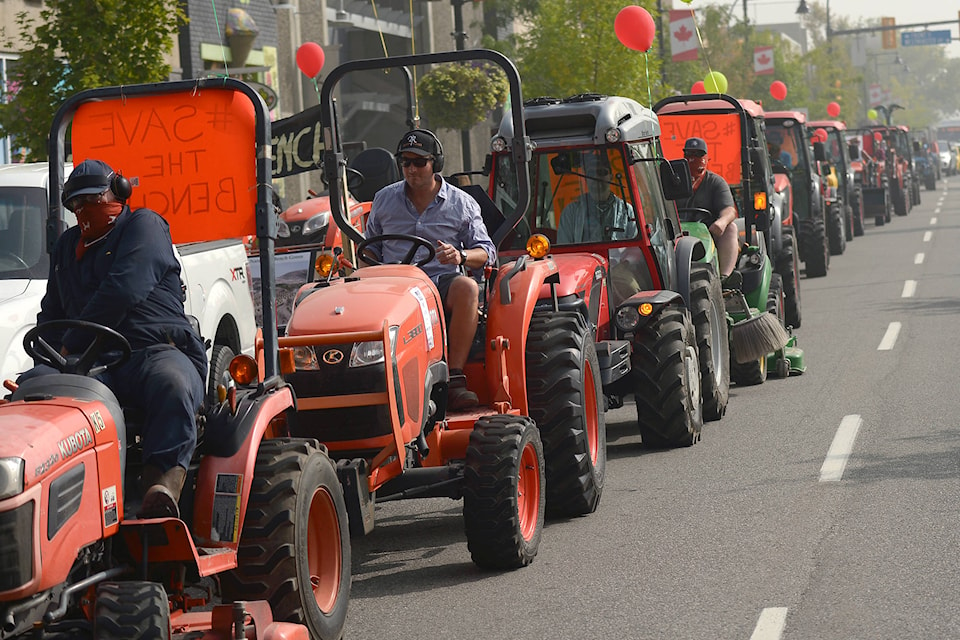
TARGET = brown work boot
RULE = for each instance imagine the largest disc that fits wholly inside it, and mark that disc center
(163, 492)
(458, 396)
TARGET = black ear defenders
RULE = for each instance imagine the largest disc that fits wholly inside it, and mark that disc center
(121, 187)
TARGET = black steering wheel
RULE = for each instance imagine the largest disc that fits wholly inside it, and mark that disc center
(415, 241)
(696, 214)
(105, 340)
(15, 258)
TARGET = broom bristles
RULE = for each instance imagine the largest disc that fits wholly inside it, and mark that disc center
(755, 337)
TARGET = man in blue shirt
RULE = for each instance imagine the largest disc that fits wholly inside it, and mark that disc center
(117, 268)
(423, 204)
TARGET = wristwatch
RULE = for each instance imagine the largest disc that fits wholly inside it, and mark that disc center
(463, 257)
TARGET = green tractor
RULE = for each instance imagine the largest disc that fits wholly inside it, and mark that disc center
(759, 338)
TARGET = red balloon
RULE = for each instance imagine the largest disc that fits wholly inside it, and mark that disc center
(778, 90)
(310, 59)
(698, 87)
(877, 136)
(635, 28)
(821, 134)
(833, 109)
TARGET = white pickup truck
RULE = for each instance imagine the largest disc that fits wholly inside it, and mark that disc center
(214, 275)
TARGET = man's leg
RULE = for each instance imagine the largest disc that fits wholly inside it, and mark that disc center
(460, 304)
(728, 248)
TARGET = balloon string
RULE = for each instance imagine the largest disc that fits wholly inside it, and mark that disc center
(383, 42)
(223, 50)
(646, 69)
(706, 58)
(413, 50)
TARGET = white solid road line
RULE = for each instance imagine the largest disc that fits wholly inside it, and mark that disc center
(909, 288)
(890, 337)
(927, 235)
(839, 453)
(918, 259)
(770, 624)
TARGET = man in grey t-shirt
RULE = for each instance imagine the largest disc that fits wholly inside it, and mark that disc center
(711, 192)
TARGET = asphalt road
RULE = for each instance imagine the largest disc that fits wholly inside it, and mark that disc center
(762, 530)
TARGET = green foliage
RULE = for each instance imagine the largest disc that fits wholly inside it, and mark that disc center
(82, 45)
(570, 48)
(459, 96)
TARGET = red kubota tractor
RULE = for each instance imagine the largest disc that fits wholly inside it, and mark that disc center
(262, 549)
(367, 353)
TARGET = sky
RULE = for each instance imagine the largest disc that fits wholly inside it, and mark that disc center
(905, 12)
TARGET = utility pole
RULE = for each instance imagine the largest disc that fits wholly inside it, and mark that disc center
(460, 37)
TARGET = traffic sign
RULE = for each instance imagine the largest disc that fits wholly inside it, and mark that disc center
(917, 38)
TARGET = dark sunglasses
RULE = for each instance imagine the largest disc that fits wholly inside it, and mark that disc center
(417, 162)
(693, 154)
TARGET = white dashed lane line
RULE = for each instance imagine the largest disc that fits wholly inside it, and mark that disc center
(909, 288)
(890, 337)
(933, 220)
(840, 449)
(770, 624)
(927, 235)
(918, 259)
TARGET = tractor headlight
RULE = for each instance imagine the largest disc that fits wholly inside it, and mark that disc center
(367, 353)
(627, 319)
(283, 231)
(498, 144)
(317, 223)
(11, 477)
(613, 135)
(305, 358)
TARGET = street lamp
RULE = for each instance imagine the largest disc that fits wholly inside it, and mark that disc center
(803, 9)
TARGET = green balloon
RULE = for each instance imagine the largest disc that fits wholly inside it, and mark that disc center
(872, 114)
(715, 82)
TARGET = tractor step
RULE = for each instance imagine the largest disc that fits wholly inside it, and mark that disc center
(614, 359)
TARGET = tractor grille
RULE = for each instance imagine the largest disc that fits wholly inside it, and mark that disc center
(16, 547)
(347, 423)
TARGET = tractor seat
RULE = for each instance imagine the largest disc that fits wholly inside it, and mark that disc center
(378, 167)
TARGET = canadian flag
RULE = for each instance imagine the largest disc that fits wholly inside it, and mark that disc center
(684, 44)
(762, 60)
(876, 95)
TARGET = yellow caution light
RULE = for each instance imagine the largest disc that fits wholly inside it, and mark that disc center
(243, 369)
(323, 265)
(760, 201)
(645, 309)
(538, 246)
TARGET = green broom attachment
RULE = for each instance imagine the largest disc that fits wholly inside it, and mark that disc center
(753, 338)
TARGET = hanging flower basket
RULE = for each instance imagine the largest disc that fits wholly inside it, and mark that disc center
(459, 96)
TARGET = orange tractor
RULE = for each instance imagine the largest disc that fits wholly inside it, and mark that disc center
(262, 548)
(367, 353)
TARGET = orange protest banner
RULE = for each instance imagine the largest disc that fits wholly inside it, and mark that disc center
(721, 131)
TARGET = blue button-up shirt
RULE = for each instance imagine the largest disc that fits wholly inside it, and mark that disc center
(453, 217)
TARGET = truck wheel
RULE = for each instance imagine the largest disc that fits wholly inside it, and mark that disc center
(131, 610)
(295, 544)
(219, 363)
(813, 244)
(787, 264)
(566, 401)
(713, 341)
(667, 381)
(858, 212)
(503, 497)
(837, 236)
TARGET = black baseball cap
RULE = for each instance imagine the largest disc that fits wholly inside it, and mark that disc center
(695, 144)
(87, 178)
(420, 142)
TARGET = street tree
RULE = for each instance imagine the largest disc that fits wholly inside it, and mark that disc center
(73, 46)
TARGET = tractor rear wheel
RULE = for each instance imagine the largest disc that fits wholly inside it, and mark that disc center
(857, 212)
(901, 201)
(131, 610)
(667, 381)
(814, 247)
(749, 373)
(787, 264)
(837, 236)
(713, 341)
(503, 492)
(848, 222)
(295, 545)
(566, 400)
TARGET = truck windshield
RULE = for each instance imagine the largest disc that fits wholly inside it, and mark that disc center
(23, 213)
(579, 196)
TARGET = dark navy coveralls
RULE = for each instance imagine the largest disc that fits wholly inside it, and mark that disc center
(130, 281)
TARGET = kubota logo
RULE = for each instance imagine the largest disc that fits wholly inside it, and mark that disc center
(333, 356)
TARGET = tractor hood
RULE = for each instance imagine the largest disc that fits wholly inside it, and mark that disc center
(364, 301)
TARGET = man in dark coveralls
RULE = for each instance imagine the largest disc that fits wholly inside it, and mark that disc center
(117, 268)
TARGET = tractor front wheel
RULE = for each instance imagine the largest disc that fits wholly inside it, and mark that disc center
(131, 610)
(787, 264)
(837, 235)
(713, 341)
(503, 492)
(667, 381)
(857, 212)
(814, 247)
(295, 545)
(566, 400)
